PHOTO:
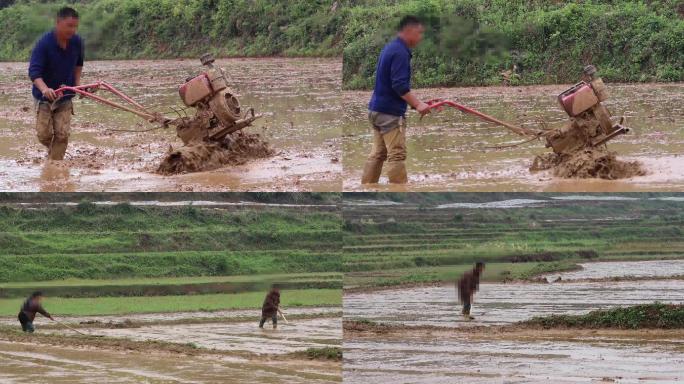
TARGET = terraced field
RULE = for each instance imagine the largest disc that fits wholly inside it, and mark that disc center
(174, 276)
(390, 243)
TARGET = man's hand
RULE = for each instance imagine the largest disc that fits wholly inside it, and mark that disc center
(423, 108)
(50, 94)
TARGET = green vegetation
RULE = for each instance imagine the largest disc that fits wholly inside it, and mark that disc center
(655, 315)
(123, 241)
(121, 258)
(327, 353)
(471, 42)
(118, 29)
(60, 306)
(416, 242)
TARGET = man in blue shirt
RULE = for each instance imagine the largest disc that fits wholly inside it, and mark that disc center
(56, 60)
(387, 107)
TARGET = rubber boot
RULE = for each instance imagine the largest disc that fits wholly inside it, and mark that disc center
(396, 172)
(372, 171)
(58, 149)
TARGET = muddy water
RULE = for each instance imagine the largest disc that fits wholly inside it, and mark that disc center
(179, 316)
(505, 303)
(28, 363)
(602, 270)
(446, 150)
(299, 98)
(298, 335)
(460, 359)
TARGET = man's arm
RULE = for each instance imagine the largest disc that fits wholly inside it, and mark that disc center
(44, 312)
(77, 76)
(401, 83)
(36, 68)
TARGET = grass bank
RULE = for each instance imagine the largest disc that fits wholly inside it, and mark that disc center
(657, 315)
(154, 29)
(59, 306)
(471, 42)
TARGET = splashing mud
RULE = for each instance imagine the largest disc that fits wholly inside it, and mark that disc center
(588, 163)
(237, 149)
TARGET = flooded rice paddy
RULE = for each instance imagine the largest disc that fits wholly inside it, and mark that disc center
(299, 98)
(447, 150)
(446, 349)
(30, 363)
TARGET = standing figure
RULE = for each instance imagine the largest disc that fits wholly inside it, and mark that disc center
(467, 285)
(271, 307)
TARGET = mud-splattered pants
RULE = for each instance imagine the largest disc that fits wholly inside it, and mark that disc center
(389, 137)
(389, 144)
(26, 323)
(53, 125)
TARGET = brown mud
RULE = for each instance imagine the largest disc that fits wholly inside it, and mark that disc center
(299, 100)
(70, 361)
(237, 149)
(588, 163)
(451, 151)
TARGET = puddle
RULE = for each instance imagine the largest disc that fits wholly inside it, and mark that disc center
(298, 335)
(513, 203)
(446, 150)
(29, 363)
(299, 98)
(498, 304)
(601, 270)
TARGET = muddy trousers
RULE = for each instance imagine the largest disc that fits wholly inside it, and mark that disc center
(274, 319)
(53, 125)
(26, 324)
(389, 145)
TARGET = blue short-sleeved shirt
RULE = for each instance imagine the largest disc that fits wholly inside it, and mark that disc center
(53, 64)
(392, 79)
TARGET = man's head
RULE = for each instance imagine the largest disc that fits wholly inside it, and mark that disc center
(479, 267)
(66, 23)
(411, 30)
(275, 288)
(37, 297)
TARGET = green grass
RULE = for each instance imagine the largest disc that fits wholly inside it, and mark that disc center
(327, 353)
(115, 29)
(120, 306)
(418, 243)
(470, 42)
(174, 280)
(655, 315)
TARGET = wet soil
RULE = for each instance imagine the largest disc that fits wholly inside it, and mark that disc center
(299, 99)
(589, 163)
(71, 364)
(500, 304)
(433, 356)
(416, 335)
(447, 151)
(237, 149)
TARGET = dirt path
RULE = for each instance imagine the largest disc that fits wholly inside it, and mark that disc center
(298, 97)
(446, 150)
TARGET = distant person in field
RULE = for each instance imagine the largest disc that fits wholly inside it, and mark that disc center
(28, 310)
(467, 285)
(56, 60)
(271, 307)
(387, 107)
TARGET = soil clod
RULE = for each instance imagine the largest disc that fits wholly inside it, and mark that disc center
(236, 149)
(588, 163)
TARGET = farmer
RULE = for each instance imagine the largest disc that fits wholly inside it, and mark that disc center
(271, 307)
(56, 60)
(467, 285)
(387, 107)
(28, 310)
